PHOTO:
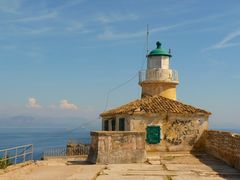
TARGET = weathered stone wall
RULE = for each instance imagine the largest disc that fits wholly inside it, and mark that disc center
(117, 147)
(178, 132)
(223, 145)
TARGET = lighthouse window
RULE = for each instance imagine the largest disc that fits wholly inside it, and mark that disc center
(121, 124)
(154, 63)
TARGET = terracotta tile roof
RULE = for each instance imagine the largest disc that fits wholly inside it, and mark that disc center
(155, 104)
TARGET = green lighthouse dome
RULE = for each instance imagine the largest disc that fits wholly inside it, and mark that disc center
(159, 51)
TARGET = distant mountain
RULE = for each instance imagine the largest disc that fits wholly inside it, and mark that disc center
(66, 122)
(16, 121)
(22, 119)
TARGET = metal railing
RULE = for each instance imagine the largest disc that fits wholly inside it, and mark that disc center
(14, 155)
(55, 151)
(157, 74)
(69, 150)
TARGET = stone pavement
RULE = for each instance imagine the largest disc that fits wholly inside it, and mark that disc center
(175, 166)
(54, 169)
(166, 166)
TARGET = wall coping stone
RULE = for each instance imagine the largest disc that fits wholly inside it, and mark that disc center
(233, 134)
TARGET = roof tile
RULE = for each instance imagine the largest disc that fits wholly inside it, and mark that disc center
(155, 104)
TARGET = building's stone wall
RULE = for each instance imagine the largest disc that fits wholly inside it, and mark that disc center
(223, 145)
(178, 132)
(117, 147)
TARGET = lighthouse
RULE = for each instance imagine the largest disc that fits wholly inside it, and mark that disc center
(158, 78)
(155, 123)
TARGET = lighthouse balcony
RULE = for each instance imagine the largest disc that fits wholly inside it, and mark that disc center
(157, 74)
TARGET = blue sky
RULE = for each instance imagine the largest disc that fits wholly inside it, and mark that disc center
(60, 58)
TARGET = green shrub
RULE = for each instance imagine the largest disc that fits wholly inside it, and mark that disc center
(4, 163)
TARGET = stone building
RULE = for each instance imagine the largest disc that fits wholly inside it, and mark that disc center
(167, 124)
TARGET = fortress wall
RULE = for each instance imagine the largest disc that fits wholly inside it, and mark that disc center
(223, 145)
(117, 147)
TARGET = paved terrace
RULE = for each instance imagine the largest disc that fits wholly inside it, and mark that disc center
(168, 166)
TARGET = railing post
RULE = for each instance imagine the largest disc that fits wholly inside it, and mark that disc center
(5, 158)
(24, 154)
(31, 151)
(16, 155)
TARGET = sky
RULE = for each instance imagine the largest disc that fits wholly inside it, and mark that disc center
(63, 58)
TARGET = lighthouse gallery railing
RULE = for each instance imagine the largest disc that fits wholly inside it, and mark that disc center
(167, 75)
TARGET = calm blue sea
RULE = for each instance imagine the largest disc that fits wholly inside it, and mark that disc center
(41, 138)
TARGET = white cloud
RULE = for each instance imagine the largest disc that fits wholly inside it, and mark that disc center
(10, 6)
(110, 35)
(168, 27)
(65, 104)
(116, 18)
(69, 4)
(226, 41)
(38, 31)
(37, 18)
(79, 27)
(33, 103)
(75, 26)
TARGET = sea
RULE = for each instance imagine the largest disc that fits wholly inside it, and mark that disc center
(41, 138)
(44, 138)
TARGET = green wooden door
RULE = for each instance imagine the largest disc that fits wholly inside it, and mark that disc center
(153, 134)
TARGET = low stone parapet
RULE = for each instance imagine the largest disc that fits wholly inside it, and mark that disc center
(116, 147)
(224, 146)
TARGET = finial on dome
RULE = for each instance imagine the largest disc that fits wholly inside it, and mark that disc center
(158, 45)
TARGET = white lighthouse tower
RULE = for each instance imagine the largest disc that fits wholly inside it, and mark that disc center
(158, 78)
